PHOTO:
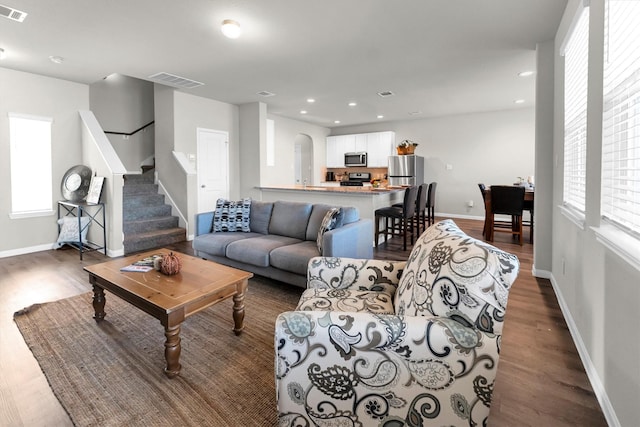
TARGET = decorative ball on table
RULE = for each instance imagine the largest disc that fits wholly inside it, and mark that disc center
(170, 264)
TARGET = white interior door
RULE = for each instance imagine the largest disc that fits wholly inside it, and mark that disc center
(213, 167)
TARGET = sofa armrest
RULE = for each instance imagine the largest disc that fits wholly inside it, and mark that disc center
(354, 273)
(203, 223)
(353, 240)
(368, 369)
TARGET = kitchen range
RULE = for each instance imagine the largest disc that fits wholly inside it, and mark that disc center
(356, 179)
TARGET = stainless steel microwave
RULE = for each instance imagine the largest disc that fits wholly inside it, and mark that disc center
(355, 159)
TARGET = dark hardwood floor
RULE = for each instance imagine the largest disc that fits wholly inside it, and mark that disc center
(541, 380)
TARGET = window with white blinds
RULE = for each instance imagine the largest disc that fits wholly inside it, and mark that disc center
(620, 202)
(576, 53)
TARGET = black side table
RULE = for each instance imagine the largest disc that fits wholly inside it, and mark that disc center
(95, 212)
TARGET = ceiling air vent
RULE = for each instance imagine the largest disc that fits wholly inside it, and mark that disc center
(175, 81)
(11, 13)
(265, 93)
(385, 93)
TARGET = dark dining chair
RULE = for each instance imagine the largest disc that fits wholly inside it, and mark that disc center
(528, 206)
(483, 192)
(431, 203)
(398, 220)
(507, 200)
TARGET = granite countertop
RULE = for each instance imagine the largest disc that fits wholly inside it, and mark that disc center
(351, 190)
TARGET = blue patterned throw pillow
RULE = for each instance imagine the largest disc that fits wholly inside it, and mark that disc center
(232, 216)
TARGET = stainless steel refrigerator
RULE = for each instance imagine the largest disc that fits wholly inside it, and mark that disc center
(406, 170)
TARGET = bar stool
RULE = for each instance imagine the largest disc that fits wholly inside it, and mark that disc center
(401, 218)
(431, 204)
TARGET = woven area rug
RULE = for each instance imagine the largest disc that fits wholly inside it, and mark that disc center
(111, 374)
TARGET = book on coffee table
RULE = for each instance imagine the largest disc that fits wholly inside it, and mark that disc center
(138, 268)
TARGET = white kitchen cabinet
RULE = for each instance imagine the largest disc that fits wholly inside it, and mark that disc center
(378, 145)
(335, 153)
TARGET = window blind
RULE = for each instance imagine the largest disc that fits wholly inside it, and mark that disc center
(575, 113)
(620, 202)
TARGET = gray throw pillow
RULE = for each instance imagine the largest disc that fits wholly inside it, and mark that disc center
(328, 223)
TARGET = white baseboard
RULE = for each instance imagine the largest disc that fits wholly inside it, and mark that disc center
(23, 251)
(542, 274)
(448, 215)
(592, 373)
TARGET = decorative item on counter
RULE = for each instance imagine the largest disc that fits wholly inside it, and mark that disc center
(406, 146)
(170, 264)
(375, 183)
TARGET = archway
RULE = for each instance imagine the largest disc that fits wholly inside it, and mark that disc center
(303, 159)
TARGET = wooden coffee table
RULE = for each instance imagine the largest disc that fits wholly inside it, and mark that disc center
(170, 299)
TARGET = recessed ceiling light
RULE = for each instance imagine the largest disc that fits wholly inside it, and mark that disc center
(231, 28)
(56, 59)
(353, 104)
(519, 101)
(525, 73)
(380, 116)
(303, 111)
(336, 121)
(311, 100)
(3, 54)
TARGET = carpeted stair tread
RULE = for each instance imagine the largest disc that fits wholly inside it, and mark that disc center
(147, 219)
(151, 224)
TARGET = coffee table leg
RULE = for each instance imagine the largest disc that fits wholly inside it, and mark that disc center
(172, 350)
(98, 303)
(238, 312)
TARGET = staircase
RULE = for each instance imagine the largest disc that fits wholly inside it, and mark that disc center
(147, 220)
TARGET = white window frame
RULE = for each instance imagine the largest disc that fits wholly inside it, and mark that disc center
(575, 50)
(30, 176)
(619, 228)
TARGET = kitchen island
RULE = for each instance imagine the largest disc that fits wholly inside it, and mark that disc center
(367, 199)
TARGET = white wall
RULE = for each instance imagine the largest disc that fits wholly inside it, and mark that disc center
(492, 148)
(43, 96)
(124, 104)
(286, 131)
(598, 291)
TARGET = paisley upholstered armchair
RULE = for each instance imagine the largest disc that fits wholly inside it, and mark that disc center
(389, 343)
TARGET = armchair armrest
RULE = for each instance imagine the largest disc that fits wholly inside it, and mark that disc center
(354, 273)
(370, 369)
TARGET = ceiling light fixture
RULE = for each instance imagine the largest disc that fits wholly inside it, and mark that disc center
(519, 101)
(352, 104)
(525, 73)
(303, 111)
(3, 54)
(56, 59)
(311, 100)
(231, 28)
(380, 116)
(336, 121)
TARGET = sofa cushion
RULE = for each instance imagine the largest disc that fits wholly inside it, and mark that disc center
(256, 251)
(260, 216)
(294, 258)
(349, 300)
(290, 219)
(231, 216)
(216, 243)
(350, 214)
(453, 275)
(315, 220)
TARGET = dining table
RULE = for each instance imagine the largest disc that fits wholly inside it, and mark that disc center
(529, 195)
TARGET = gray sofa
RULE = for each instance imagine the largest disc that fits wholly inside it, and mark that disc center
(282, 239)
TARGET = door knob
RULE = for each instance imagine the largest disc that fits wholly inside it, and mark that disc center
(202, 186)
